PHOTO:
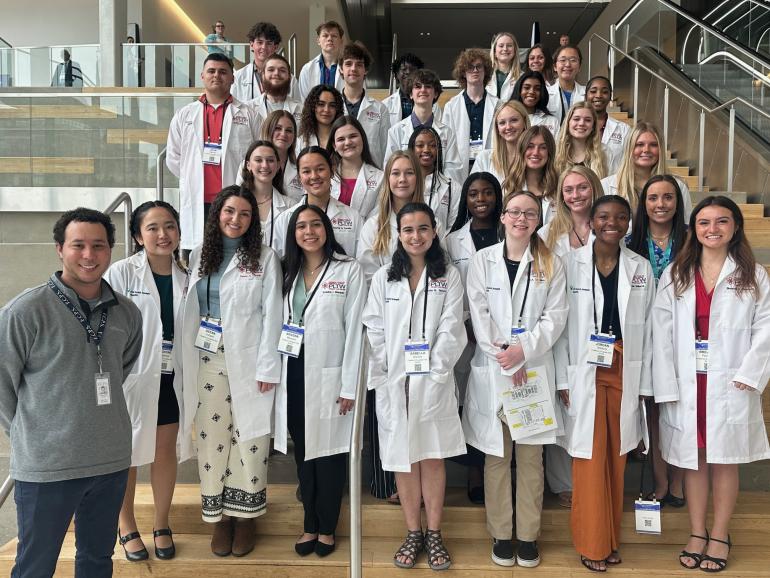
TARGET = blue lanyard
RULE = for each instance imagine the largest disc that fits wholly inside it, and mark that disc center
(95, 336)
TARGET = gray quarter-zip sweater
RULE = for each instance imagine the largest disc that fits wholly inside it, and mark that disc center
(47, 384)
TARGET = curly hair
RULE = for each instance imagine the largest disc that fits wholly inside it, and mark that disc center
(463, 64)
(356, 51)
(271, 123)
(265, 30)
(83, 215)
(407, 58)
(425, 77)
(308, 126)
(248, 176)
(212, 252)
(517, 175)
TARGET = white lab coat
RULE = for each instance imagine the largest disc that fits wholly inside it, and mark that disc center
(263, 108)
(614, 141)
(636, 291)
(562, 245)
(461, 249)
(398, 140)
(556, 104)
(292, 187)
(456, 116)
(251, 322)
(375, 120)
(310, 76)
(184, 158)
(484, 164)
(739, 350)
(246, 88)
(507, 89)
(364, 199)
(495, 308)
(445, 200)
(432, 427)
(551, 122)
(280, 204)
(610, 186)
(393, 104)
(133, 278)
(346, 223)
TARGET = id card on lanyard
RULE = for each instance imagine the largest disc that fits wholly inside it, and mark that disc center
(209, 336)
(212, 151)
(293, 334)
(166, 364)
(519, 328)
(601, 346)
(701, 355)
(101, 378)
(417, 351)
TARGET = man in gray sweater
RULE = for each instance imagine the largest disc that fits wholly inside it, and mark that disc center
(65, 349)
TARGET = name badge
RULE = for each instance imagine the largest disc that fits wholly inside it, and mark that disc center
(103, 393)
(417, 358)
(209, 336)
(601, 348)
(476, 146)
(647, 516)
(515, 332)
(291, 339)
(701, 356)
(166, 365)
(212, 153)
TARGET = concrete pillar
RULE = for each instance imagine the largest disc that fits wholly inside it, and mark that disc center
(112, 33)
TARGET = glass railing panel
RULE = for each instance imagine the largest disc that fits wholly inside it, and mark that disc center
(746, 21)
(48, 66)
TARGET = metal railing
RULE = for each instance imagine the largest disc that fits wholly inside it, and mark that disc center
(291, 47)
(159, 162)
(705, 108)
(5, 490)
(393, 56)
(123, 199)
(356, 442)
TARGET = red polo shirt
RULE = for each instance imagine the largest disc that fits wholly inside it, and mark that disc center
(213, 119)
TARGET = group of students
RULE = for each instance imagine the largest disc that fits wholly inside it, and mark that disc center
(520, 245)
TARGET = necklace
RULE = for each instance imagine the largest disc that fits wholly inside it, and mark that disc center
(313, 271)
(660, 241)
(267, 200)
(581, 240)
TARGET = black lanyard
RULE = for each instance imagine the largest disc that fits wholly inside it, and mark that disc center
(259, 82)
(206, 120)
(310, 297)
(561, 101)
(526, 290)
(424, 308)
(95, 336)
(594, 273)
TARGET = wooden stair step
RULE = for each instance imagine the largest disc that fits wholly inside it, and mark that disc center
(752, 210)
(47, 165)
(136, 135)
(58, 111)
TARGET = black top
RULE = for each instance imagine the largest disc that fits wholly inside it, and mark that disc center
(353, 107)
(165, 286)
(610, 313)
(513, 267)
(476, 116)
(406, 105)
(483, 238)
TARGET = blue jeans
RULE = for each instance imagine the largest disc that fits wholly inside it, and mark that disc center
(44, 511)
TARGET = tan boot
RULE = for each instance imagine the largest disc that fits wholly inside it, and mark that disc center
(222, 538)
(245, 536)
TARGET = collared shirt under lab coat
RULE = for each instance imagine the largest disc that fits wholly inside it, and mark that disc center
(251, 321)
(636, 291)
(310, 76)
(246, 87)
(556, 104)
(539, 118)
(375, 120)
(739, 350)
(456, 116)
(432, 428)
(133, 278)
(610, 186)
(444, 200)
(332, 349)
(346, 223)
(184, 158)
(393, 104)
(506, 90)
(495, 308)
(364, 199)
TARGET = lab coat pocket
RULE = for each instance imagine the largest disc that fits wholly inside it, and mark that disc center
(331, 382)
(670, 414)
(571, 380)
(480, 394)
(740, 402)
(134, 393)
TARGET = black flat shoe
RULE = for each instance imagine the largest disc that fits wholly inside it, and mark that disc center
(673, 501)
(305, 548)
(323, 550)
(164, 553)
(137, 556)
(476, 495)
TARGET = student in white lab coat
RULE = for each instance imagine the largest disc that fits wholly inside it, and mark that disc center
(530, 90)
(579, 141)
(504, 54)
(532, 169)
(643, 157)
(416, 406)
(442, 193)
(156, 282)
(372, 114)
(280, 128)
(261, 175)
(400, 104)
(425, 88)
(315, 170)
(276, 86)
(566, 89)
(323, 68)
(322, 107)
(323, 294)
(518, 304)
(232, 321)
(207, 140)
(470, 112)
(603, 364)
(613, 132)
(509, 122)
(356, 176)
(715, 298)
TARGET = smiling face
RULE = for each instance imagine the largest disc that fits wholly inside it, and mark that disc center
(581, 123)
(715, 227)
(315, 174)
(326, 108)
(85, 256)
(610, 223)
(567, 65)
(480, 199)
(598, 95)
(531, 89)
(536, 153)
(504, 50)
(283, 134)
(158, 232)
(423, 93)
(520, 217)
(577, 193)
(263, 164)
(235, 217)
(536, 60)
(660, 203)
(646, 152)
(402, 179)
(510, 124)
(348, 142)
(426, 149)
(217, 77)
(353, 71)
(310, 232)
(416, 233)
(262, 49)
(276, 74)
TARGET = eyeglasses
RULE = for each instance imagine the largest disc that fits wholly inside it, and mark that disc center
(528, 215)
(567, 60)
(475, 68)
(219, 26)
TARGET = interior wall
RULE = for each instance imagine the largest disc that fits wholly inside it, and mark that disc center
(50, 22)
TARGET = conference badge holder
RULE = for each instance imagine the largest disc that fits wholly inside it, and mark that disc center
(166, 365)
(601, 347)
(417, 357)
(209, 336)
(647, 512)
(701, 356)
(103, 392)
(212, 153)
(290, 342)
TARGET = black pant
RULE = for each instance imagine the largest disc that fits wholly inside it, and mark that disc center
(383, 484)
(321, 480)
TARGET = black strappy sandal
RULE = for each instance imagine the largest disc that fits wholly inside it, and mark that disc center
(697, 556)
(587, 563)
(412, 546)
(434, 546)
(720, 562)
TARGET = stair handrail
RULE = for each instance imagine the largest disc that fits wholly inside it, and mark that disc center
(5, 490)
(356, 442)
(705, 108)
(291, 47)
(393, 56)
(758, 76)
(159, 192)
(128, 207)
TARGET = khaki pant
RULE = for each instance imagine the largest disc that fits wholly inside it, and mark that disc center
(529, 490)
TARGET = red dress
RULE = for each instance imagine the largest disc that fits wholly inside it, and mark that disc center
(702, 313)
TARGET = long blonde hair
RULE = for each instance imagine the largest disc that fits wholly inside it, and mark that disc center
(542, 256)
(500, 161)
(562, 220)
(564, 148)
(515, 66)
(516, 178)
(626, 176)
(381, 244)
